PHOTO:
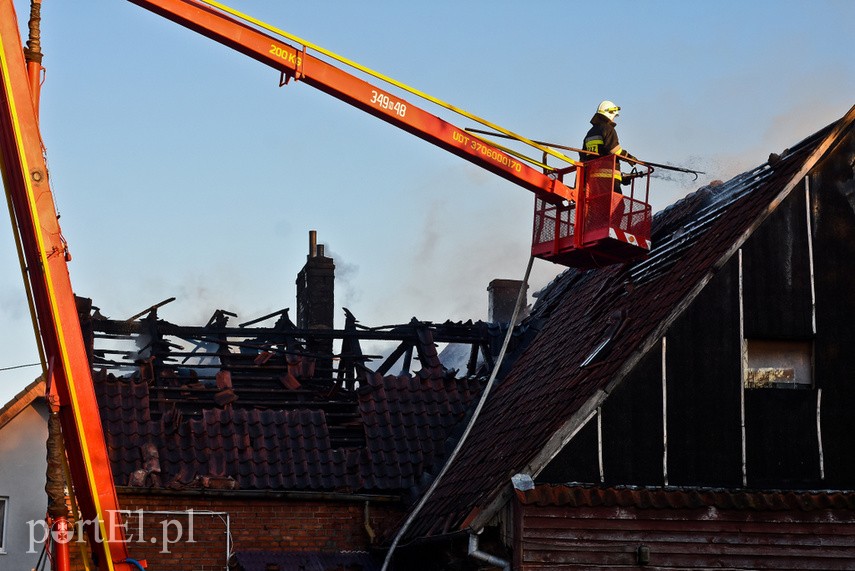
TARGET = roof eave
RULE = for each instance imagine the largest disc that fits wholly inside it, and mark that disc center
(21, 401)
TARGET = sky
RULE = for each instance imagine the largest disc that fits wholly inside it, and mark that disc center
(181, 168)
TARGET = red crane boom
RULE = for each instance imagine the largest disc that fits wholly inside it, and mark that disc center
(297, 64)
(601, 231)
(45, 256)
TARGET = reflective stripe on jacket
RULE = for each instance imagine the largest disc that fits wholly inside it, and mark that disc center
(602, 139)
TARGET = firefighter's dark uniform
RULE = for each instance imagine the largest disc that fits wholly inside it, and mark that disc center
(602, 139)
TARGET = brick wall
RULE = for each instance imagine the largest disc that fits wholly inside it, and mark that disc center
(270, 524)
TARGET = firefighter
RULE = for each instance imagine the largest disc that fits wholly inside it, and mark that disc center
(602, 140)
(603, 207)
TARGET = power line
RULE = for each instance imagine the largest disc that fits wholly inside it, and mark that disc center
(19, 367)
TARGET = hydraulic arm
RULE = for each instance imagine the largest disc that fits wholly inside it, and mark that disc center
(297, 64)
(572, 226)
(45, 257)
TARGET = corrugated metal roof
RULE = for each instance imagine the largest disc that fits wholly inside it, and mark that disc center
(546, 391)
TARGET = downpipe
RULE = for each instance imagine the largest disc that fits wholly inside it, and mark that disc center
(484, 556)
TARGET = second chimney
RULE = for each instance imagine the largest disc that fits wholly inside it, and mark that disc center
(502, 298)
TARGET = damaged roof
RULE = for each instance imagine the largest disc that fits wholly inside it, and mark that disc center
(258, 411)
(406, 422)
(595, 327)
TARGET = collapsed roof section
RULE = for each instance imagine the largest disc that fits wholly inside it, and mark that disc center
(257, 407)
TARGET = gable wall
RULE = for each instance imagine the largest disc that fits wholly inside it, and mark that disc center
(833, 205)
(22, 480)
(633, 445)
(782, 446)
(702, 381)
(792, 438)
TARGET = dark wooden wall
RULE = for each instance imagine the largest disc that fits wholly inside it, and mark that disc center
(782, 445)
(833, 205)
(703, 387)
(608, 537)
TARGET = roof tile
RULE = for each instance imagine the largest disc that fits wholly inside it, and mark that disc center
(405, 422)
(684, 498)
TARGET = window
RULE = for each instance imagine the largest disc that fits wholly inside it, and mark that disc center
(616, 322)
(779, 364)
(3, 503)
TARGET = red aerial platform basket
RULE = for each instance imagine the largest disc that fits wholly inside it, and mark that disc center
(601, 227)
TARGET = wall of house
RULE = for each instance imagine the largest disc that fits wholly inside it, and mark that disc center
(633, 433)
(702, 384)
(254, 523)
(681, 427)
(609, 537)
(629, 432)
(782, 444)
(833, 205)
(22, 481)
(789, 285)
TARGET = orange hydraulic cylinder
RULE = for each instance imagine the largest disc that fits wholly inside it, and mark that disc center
(34, 73)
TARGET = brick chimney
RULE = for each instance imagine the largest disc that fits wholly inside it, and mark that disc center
(502, 298)
(315, 298)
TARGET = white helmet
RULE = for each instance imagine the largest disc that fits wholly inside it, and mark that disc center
(609, 109)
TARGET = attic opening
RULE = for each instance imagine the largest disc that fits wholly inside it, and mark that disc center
(776, 364)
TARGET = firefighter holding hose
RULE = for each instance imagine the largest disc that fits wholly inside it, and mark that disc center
(602, 140)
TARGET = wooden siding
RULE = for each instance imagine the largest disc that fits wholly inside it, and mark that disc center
(577, 461)
(782, 444)
(833, 204)
(782, 447)
(777, 285)
(633, 426)
(568, 538)
(703, 385)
